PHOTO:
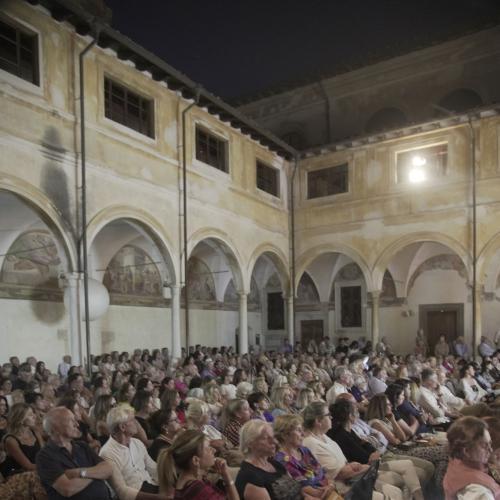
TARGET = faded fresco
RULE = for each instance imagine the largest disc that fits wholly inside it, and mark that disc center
(201, 286)
(306, 291)
(231, 296)
(32, 263)
(444, 262)
(131, 276)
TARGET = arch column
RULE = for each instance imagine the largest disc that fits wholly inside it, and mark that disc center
(71, 282)
(290, 319)
(243, 339)
(477, 326)
(175, 318)
(375, 296)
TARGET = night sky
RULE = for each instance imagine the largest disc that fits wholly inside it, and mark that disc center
(238, 48)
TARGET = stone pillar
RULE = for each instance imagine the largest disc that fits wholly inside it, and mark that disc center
(71, 283)
(290, 319)
(243, 340)
(175, 305)
(476, 338)
(375, 295)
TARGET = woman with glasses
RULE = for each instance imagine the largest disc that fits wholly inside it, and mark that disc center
(317, 422)
(298, 460)
(166, 425)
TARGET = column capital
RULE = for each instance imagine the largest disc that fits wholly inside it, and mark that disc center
(174, 287)
(242, 295)
(375, 294)
(69, 279)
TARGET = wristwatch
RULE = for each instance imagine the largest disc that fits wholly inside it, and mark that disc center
(83, 473)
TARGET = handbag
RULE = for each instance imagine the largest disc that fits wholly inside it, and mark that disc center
(363, 485)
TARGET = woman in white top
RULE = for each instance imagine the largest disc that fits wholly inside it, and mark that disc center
(317, 422)
(473, 392)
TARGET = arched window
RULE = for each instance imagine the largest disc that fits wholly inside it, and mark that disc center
(459, 100)
(386, 119)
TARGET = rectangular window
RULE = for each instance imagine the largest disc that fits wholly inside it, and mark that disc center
(350, 307)
(128, 108)
(19, 53)
(268, 179)
(327, 181)
(211, 150)
(421, 164)
(275, 311)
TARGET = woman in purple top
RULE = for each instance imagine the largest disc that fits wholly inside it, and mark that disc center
(298, 460)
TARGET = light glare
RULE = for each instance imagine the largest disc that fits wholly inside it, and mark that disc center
(416, 175)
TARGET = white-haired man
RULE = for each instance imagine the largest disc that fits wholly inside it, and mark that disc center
(135, 475)
(343, 382)
(70, 468)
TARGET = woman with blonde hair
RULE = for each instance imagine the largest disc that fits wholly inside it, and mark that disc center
(283, 401)
(304, 398)
(298, 460)
(22, 441)
(182, 467)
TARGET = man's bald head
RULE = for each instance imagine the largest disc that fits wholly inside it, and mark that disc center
(55, 420)
(346, 396)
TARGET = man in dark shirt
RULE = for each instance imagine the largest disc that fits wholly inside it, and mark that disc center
(68, 468)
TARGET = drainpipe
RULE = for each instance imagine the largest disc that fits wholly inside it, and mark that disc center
(83, 258)
(292, 239)
(474, 235)
(328, 111)
(184, 215)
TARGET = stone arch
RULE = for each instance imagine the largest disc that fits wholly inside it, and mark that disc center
(489, 258)
(386, 119)
(308, 257)
(48, 213)
(459, 100)
(142, 220)
(391, 250)
(225, 245)
(277, 257)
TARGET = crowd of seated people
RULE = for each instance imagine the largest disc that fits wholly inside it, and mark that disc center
(291, 423)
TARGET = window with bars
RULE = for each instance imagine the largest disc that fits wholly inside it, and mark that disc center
(128, 108)
(211, 150)
(327, 181)
(268, 179)
(19, 52)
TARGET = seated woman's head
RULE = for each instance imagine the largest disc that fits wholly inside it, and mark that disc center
(288, 430)
(317, 417)
(342, 412)
(190, 451)
(395, 394)
(469, 440)
(258, 401)
(378, 407)
(197, 413)
(257, 439)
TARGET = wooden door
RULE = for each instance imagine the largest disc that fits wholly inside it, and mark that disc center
(311, 329)
(441, 322)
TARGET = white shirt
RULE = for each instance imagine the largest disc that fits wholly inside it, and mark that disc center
(131, 467)
(475, 492)
(335, 390)
(328, 454)
(429, 402)
(450, 400)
